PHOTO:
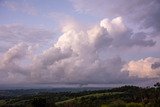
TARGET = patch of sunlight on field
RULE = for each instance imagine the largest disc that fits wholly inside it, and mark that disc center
(104, 105)
(2, 102)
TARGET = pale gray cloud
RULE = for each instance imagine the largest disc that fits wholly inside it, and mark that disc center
(142, 13)
(124, 36)
(11, 34)
(155, 65)
(21, 6)
(12, 65)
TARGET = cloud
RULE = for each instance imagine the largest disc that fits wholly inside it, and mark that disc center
(65, 21)
(57, 64)
(12, 62)
(152, 16)
(124, 36)
(112, 8)
(155, 65)
(23, 7)
(10, 34)
(143, 68)
(76, 56)
(132, 11)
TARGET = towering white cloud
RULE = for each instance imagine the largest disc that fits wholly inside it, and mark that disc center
(72, 55)
(114, 27)
(75, 57)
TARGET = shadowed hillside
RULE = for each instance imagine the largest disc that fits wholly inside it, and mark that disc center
(125, 96)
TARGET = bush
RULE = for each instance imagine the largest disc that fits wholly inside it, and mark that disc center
(39, 102)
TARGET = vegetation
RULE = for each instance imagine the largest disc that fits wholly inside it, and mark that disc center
(125, 96)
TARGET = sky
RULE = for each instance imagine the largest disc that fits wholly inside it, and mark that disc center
(79, 42)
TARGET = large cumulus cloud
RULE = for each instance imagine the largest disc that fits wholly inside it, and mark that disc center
(76, 58)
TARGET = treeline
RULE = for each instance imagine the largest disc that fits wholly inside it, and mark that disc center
(125, 96)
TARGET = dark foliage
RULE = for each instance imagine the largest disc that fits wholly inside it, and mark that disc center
(125, 96)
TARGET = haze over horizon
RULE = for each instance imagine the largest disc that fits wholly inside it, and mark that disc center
(79, 42)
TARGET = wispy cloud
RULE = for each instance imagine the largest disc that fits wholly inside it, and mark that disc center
(11, 34)
(21, 6)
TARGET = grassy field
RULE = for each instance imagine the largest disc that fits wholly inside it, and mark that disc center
(90, 96)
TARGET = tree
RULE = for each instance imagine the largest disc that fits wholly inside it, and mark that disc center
(157, 85)
(39, 102)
